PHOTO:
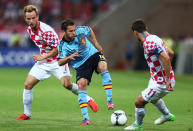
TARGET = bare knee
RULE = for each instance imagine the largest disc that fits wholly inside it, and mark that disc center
(102, 66)
(66, 82)
(140, 102)
(31, 81)
(67, 85)
(28, 86)
(82, 84)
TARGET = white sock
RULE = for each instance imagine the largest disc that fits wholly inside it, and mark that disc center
(88, 98)
(160, 105)
(74, 88)
(27, 101)
(75, 91)
(139, 116)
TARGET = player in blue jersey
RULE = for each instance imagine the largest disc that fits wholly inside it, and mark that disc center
(79, 45)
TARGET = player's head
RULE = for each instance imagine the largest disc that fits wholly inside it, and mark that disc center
(68, 27)
(31, 16)
(138, 27)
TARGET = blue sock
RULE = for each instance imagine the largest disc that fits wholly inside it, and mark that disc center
(107, 84)
(82, 99)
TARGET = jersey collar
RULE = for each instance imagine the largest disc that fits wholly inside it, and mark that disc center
(145, 38)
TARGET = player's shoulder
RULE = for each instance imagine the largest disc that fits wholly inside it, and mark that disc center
(82, 29)
(60, 42)
(153, 39)
(45, 27)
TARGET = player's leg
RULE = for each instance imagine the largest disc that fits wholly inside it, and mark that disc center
(146, 96)
(107, 83)
(36, 74)
(139, 114)
(161, 107)
(82, 93)
(166, 115)
(63, 73)
(140, 110)
(28, 97)
(83, 78)
(66, 82)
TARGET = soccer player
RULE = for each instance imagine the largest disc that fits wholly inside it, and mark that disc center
(79, 45)
(46, 64)
(162, 80)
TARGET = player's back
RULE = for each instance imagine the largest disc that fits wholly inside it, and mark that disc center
(153, 46)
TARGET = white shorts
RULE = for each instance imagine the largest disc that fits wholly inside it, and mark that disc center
(42, 71)
(155, 91)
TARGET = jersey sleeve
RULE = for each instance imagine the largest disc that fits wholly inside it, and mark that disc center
(50, 38)
(153, 47)
(157, 50)
(61, 52)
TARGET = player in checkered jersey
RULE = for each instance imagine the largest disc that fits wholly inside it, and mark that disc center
(46, 63)
(162, 80)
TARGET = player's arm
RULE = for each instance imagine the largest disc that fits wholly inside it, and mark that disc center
(63, 61)
(167, 66)
(170, 53)
(53, 52)
(94, 41)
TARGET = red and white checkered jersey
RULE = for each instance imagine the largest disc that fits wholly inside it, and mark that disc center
(46, 39)
(153, 47)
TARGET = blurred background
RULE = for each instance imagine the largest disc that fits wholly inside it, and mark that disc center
(111, 20)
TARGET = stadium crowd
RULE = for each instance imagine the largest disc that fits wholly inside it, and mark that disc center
(51, 12)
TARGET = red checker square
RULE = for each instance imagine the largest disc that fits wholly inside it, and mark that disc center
(156, 63)
(159, 73)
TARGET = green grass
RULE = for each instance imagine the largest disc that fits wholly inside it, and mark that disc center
(55, 108)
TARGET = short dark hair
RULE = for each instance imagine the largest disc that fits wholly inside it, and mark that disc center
(139, 26)
(66, 23)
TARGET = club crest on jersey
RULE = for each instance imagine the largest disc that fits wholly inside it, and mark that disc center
(81, 39)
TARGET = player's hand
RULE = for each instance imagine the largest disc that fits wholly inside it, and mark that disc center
(168, 85)
(72, 57)
(37, 58)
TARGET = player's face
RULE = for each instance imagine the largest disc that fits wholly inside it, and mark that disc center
(70, 33)
(31, 18)
(136, 35)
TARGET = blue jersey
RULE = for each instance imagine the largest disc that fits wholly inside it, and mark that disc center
(81, 44)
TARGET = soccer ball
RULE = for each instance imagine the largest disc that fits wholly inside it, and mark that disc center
(118, 118)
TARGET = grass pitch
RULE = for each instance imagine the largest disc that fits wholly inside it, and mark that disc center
(56, 109)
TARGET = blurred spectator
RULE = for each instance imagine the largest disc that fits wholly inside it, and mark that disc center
(171, 44)
(37, 3)
(16, 39)
(130, 47)
(139, 59)
(185, 58)
(188, 40)
(80, 10)
(66, 9)
(51, 12)
(104, 6)
(10, 12)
